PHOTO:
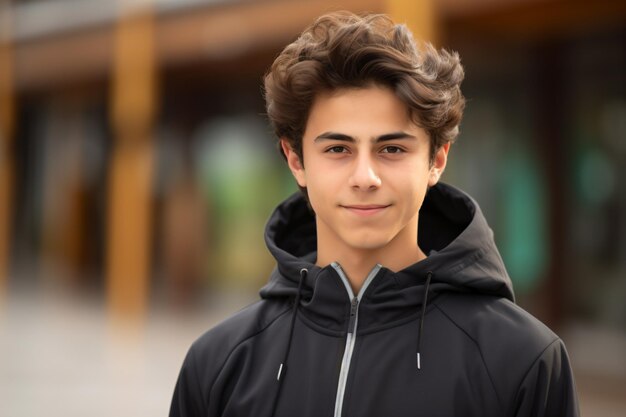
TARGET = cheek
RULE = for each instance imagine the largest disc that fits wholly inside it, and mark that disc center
(317, 188)
(413, 178)
(319, 176)
(413, 203)
(412, 190)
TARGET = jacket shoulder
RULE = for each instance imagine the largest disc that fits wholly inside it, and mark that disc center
(209, 353)
(220, 340)
(496, 321)
(510, 340)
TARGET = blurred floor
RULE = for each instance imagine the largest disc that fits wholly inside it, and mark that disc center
(60, 356)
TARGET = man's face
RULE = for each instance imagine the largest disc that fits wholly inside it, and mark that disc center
(366, 168)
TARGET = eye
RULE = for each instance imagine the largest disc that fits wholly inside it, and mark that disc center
(336, 149)
(392, 149)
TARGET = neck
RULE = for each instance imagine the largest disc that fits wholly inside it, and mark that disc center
(357, 263)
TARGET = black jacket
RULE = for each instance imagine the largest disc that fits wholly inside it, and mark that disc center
(442, 337)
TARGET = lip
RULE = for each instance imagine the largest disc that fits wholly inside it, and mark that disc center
(366, 209)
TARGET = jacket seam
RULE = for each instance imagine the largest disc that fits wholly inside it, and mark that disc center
(397, 323)
(313, 325)
(242, 341)
(466, 262)
(482, 358)
(533, 363)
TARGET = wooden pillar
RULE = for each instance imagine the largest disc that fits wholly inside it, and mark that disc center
(7, 123)
(129, 200)
(550, 112)
(419, 15)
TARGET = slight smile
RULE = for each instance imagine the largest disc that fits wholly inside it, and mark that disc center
(366, 210)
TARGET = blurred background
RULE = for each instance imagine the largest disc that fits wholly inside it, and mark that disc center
(137, 171)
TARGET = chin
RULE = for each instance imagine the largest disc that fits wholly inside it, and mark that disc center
(367, 242)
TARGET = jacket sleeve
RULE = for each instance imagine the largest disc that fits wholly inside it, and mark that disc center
(187, 400)
(548, 389)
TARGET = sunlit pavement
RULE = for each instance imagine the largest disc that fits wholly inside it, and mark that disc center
(63, 357)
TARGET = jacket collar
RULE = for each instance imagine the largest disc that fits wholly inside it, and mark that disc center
(462, 257)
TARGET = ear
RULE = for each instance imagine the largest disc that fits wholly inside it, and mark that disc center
(294, 163)
(438, 165)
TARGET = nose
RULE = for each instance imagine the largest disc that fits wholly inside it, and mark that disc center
(364, 176)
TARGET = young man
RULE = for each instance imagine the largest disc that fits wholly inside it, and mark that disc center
(389, 297)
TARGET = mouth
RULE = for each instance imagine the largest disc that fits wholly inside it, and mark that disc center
(366, 209)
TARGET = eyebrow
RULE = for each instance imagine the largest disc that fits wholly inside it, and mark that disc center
(376, 139)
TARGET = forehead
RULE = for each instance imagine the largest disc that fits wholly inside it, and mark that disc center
(373, 109)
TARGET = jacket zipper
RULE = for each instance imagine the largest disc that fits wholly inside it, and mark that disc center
(351, 338)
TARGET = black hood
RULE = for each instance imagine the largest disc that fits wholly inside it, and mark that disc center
(462, 255)
(440, 337)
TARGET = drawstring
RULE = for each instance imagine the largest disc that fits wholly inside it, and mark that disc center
(429, 275)
(282, 368)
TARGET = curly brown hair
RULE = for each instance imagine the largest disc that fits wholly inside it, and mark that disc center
(345, 50)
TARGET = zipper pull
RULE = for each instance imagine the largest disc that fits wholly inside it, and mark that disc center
(354, 306)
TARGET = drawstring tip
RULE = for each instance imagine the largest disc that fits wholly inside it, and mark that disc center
(280, 371)
(419, 362)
